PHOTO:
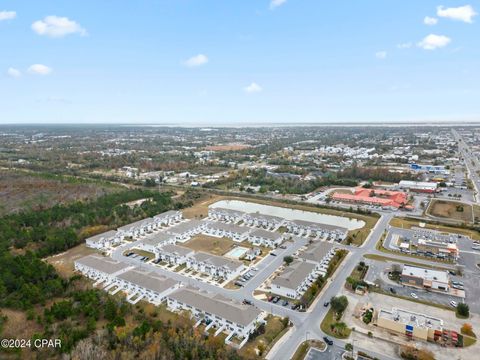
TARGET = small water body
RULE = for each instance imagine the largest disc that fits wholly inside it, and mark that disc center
(290, 214)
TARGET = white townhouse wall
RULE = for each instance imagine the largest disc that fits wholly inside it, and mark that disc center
(151, 287)
(168, 218)
(265, 238)
(232, 231)
(217, 266)
(301, 227)
(319, 253)
(225, 314)
(153, 242)
(185, 230)
(227, 215)
(174, 254)
(100, 268)
(103, 240)
(262, 220)
(294, 280)
(137, 228)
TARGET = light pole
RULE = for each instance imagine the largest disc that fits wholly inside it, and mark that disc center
(306, 335)
(353, 343)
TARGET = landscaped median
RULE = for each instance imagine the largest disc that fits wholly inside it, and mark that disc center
(304, 347)
(331, 323)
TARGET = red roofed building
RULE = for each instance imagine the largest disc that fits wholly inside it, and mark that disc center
(382, 198)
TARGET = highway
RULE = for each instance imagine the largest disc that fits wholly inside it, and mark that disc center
(471, 162)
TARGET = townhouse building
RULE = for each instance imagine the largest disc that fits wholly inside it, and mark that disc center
(174, 254)
(100, 269)
(104, 240)
(295, 279)
(149, 286)
(320, 254)
(227, 215)
(225, 315)
(216, 266)
(266, 238)
(263, 220)
(184, 231)
(168, 218)
(232, 231)
(153, 242)
(308, 228)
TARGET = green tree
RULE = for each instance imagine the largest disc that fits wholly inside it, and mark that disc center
(288, 259)
(463, 310)
(339, 303)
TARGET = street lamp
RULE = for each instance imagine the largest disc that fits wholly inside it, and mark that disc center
(306, 335)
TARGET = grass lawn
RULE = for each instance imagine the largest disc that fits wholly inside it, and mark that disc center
(450, 210)
(408, 224)
(274, 330)
(210, 244)
(63, 262)
(143, 253)
(401, 261)
(305, 346)
(330, 319)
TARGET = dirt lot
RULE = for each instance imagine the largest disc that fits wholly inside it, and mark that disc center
(20, 190)
(228, 147)
(450, 210)
(210, 244)
(63, 262)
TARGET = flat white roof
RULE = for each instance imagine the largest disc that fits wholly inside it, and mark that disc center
(427, 274)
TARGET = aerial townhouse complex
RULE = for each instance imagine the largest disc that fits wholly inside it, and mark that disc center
(308, 228)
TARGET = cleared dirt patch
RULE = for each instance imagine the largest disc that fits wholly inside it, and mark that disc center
(63, 262)
(210, 244)
(451, 210)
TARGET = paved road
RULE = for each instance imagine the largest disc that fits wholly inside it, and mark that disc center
(471, 162)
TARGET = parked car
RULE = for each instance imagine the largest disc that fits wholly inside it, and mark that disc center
(270, 298)
(282, 247)
(327, 340)
(285, 303)
(393, 291)
(238, 283)
(453, 303)
(413, 295)
(276, 299)
(294, 306)
(247, 302)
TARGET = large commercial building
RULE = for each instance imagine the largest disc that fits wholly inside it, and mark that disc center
(418, 186)
(412, 325)
(425, 278)
(383, 198)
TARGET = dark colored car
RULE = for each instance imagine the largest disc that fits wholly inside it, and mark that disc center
(393, 291)
(275, 299)
(327, 340)
(285, 303)
(247, 302)
(326, 303)
(273, 254)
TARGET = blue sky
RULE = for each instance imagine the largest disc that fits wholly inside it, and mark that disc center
(239, 61)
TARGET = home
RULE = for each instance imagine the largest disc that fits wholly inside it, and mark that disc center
(232, 231)
(319, 253)
(262, 237)
(151, 287)
(154, 241)
(104, 240)
(136, 228)
(168, 218)
(216, 311)
(187, 229)
(262, 220)
(294, 280)
(100, 268)
(227, 215)
(252, 254)
(174, 254)
(308, 228)
(216, 266)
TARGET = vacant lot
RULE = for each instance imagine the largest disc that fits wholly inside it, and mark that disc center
(451, 210)
(210, 244)
(63, 262)
(21, 190)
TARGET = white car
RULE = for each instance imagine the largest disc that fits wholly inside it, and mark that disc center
(453, 303)
(413, 295)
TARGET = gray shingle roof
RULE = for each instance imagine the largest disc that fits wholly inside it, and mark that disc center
(106, 235)
(217, 261)
(294, 275)
(316, 251)
(217, 305)
(228, 227)
(150, 281)
(266, 234)
(102, 264)
(185, 226)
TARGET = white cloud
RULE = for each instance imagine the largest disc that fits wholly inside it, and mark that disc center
(432, 42)
(406, 45)
(39, 69)
(197, 60)
(252, 88)
(7, 15)
(381, 55)
(276, 3)
(430, 20)
(56, 27)
(15, 73)
(461, 13)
